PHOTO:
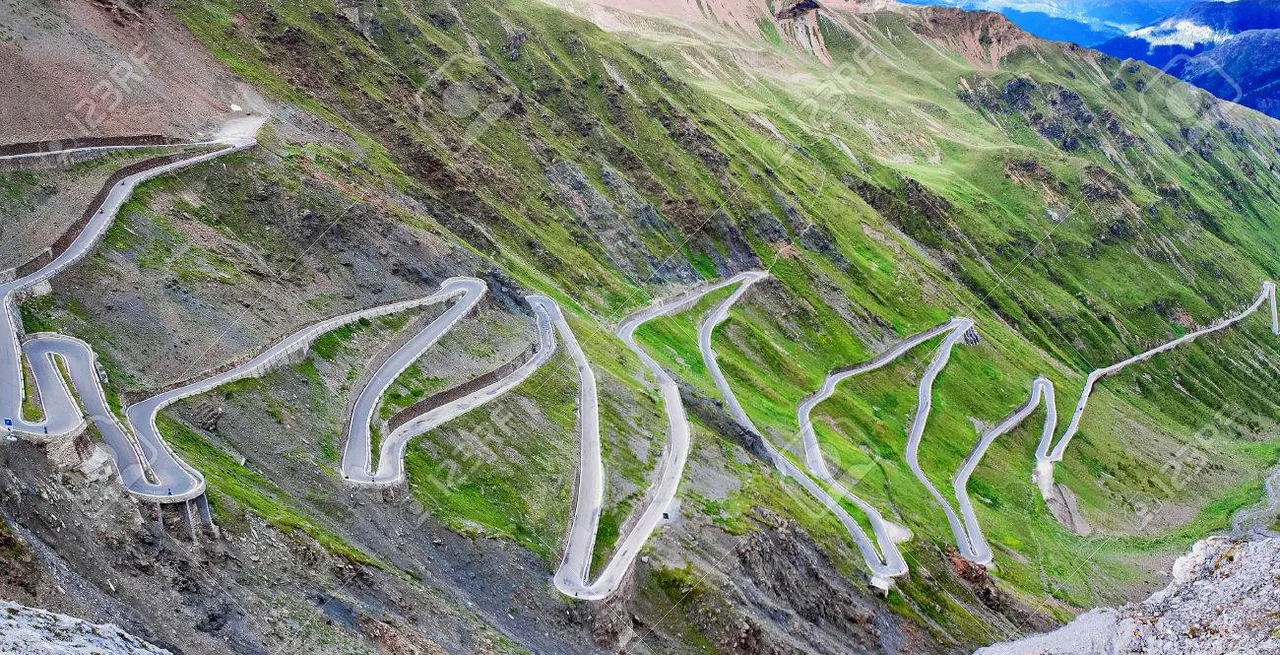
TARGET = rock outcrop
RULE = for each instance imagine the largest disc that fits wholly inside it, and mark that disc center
(1189, 616)
(29, 630)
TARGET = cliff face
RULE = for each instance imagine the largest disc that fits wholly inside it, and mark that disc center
(1222, 599)
(983, 38)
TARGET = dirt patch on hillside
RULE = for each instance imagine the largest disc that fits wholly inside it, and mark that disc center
(983, 38)
(107, 68)
(38, 206)
(772, 590)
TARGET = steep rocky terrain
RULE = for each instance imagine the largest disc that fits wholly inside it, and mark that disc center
(107, 68)
(890, 166)
(27, 630)
(1221, 599)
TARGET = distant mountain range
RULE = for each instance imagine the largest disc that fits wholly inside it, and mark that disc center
(1226, 48)
(1086, 22)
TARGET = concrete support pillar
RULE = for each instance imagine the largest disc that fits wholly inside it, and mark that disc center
(189, 519)
(206, 516)
(160, 520)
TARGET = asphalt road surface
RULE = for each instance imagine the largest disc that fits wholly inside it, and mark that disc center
(571, 577)
(884, 563)
(575, 567)
(147, 467)
(356, 465)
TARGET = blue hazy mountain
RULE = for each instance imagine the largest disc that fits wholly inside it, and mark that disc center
(1226, 48)
(1055, 28)
(1171, 42)
(1244, 69)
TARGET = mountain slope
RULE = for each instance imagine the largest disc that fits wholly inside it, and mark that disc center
(892, 167)
(1049, 23)
(1171, 36)
(1246, 66)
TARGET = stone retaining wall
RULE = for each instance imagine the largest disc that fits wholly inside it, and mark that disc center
(466, 388)
(55, 145)
(73, 232)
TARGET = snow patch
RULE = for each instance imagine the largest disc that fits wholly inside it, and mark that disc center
(1185, 33)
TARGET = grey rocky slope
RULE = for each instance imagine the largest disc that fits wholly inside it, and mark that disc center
(30, 630)
(1222, 599)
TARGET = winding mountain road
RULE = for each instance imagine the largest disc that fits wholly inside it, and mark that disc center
(356, 465)
(571, 577)
(575, 567)
(1045, 458)
(150, 469)
(971, 543)
(886, 532)
(884, 563)
(147, 467)
(967, 531)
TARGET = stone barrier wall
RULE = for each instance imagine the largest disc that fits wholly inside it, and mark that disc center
(54, 145)
(73, 232)
(466, 388)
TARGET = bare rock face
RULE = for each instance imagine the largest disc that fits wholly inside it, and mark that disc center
(782, 574)
(29, 630)
(797, 10)
(1187, 617)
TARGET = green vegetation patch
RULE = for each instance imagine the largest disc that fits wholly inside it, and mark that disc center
(235, 489)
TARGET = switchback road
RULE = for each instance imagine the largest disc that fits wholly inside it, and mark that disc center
(884, 563)
(356, 464)
(149, 469)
